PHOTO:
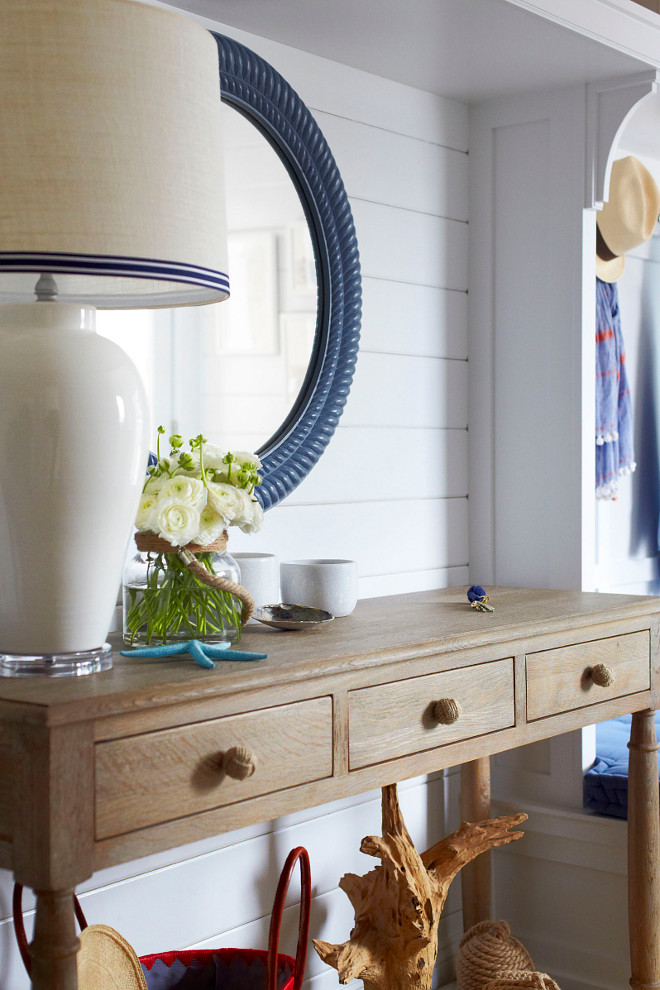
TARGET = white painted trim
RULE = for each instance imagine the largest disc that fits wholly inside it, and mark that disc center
(609, 106)
(619, 24)
(525, 345)
(577, 838)
(332, 87)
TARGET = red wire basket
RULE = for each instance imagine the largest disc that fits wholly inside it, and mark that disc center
(218, 969)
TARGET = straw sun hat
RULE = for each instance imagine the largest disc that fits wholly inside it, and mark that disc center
(627, 219)
(106, 961)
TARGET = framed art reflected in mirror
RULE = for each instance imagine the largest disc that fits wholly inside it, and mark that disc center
(269, 370)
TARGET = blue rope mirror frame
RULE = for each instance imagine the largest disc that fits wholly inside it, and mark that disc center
(255, 89)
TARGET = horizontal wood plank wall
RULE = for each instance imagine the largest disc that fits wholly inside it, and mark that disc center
(391, 488)
(390, 491)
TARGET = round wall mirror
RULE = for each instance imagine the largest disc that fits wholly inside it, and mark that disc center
(270, 369)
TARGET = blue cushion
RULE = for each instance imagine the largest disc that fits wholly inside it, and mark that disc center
(606, 782)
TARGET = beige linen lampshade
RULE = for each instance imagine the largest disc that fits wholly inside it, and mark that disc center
(111, 154)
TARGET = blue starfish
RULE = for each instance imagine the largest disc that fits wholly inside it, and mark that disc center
(202, 653)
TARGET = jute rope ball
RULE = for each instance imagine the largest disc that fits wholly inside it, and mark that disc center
(522, 980)
(486, 952)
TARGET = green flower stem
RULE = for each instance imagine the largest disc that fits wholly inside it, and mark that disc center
(173, 601)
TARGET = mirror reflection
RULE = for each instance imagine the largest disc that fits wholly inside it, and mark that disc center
(233, 370)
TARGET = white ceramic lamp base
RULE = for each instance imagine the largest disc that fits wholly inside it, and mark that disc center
(73, 448)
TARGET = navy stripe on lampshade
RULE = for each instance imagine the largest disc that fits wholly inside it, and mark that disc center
(117, 268)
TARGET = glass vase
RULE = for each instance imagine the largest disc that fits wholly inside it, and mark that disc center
(164, 602)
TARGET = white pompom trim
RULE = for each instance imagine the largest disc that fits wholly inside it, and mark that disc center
(610, 489)
(602, 438)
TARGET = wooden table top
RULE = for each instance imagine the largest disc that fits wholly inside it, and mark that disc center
(380, 630)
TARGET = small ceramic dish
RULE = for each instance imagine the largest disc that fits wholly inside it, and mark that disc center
(285, 616)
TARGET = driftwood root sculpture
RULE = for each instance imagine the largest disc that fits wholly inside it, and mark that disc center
(394, 943)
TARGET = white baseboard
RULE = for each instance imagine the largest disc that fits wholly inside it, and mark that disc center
(577, 967)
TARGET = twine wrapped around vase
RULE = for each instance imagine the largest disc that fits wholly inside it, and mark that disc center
(486, 952)
(150, 543)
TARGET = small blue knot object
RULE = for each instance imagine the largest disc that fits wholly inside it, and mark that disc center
(478, 598)
(202, 653)
(475, 592)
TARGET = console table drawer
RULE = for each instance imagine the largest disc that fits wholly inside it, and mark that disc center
(152, 778)
(401, 718)
(572, 677)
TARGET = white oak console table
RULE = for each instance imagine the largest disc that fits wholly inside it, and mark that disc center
(84, 762)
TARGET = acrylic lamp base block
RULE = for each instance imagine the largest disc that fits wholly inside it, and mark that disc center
(57, 664)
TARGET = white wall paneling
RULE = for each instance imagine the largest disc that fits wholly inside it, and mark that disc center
(406, 246)
(395, 536)
(402, 318)
(383, 166)
(400, 458)
(526, 349)
(578, 861)
(400, 390)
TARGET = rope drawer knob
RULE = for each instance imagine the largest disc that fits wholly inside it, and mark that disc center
(446, 711)
(602, 675)
(239, 763)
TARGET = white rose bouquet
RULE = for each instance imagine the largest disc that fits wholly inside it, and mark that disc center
(189, 500)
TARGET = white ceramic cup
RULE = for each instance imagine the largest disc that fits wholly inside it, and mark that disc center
(260, 575)
(329, 584)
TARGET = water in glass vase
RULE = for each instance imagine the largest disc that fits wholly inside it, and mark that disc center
(164, 602)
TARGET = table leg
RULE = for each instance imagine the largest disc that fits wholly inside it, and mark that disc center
(475, 807)
(643, 853)
(55, 943)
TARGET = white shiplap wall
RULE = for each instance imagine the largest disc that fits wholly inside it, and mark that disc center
(390, 491)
